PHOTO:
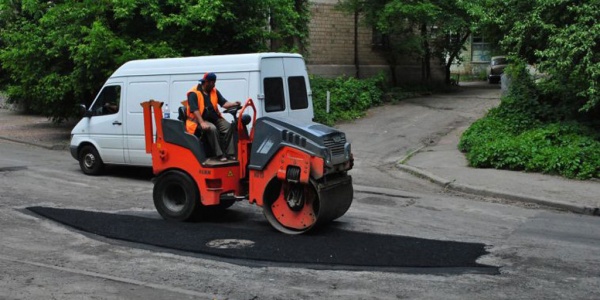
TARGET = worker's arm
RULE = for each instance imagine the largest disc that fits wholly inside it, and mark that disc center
(226, 104)
(229, 104)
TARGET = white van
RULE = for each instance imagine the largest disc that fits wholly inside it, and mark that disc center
(112, 129)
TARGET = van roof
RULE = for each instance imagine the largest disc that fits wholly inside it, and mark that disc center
(197, 64)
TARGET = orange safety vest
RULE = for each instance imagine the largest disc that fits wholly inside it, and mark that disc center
(190, 123)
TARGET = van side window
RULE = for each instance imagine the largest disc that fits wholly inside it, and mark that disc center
(108, 101)
(274, 97)
(298, 97)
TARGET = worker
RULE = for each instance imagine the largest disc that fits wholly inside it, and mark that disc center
(204, 117)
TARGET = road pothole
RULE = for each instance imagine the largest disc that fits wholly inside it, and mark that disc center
(230, 244)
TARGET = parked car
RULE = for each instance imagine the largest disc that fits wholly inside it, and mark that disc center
(496, 68)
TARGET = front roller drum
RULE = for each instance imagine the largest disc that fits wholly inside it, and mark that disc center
(295, 208)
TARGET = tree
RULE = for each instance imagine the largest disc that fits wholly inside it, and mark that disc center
(9, 12)
(58, 53)
(560, 37)
(457, 20)
(428, 30)
(289, 25)
(550, 123)
(398, 37)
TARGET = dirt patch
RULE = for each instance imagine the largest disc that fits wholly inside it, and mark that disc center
(33, 129)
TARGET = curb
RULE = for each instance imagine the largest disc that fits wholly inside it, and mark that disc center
(45, 146)
(452, 185)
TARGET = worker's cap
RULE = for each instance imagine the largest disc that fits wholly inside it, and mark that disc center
(210, 76)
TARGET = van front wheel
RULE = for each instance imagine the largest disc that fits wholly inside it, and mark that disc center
(90, 161)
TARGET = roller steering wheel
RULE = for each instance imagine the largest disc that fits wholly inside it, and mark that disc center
(233, 111)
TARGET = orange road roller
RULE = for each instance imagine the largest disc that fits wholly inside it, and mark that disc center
(297, 172)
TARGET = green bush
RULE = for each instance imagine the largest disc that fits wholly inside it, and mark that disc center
(350, 97)
(567, 149)
(523, 133)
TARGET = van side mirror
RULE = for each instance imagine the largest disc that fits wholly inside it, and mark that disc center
(83, 111)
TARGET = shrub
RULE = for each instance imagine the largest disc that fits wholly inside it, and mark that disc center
(559, 148)
(530, 131)
(350, 97)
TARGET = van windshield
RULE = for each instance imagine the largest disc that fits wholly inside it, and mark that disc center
(499, 61)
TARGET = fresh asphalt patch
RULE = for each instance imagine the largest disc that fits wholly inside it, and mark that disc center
(325, 248)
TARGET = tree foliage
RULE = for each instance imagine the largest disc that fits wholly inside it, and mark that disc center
(55, 54)
(551, 124)
(560, 37)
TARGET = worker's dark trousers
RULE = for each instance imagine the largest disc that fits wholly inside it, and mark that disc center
(215, 133)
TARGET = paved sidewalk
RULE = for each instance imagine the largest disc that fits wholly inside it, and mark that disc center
(446, 166)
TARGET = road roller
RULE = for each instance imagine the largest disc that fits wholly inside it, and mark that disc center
(297, 172)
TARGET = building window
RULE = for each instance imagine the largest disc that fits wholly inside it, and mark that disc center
(480, 49)
(380, 40)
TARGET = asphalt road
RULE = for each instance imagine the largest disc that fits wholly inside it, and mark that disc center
(542, 254)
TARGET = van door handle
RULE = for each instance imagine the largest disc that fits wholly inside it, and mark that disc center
(117, 123)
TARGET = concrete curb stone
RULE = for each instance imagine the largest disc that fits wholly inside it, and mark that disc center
(475, 190)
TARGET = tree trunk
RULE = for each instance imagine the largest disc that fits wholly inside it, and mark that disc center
(393, 74)
(454, 55)
(447, 75)
(426, 63)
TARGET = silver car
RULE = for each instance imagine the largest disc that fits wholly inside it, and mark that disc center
(496, 68)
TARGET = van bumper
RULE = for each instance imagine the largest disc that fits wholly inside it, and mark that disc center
(74, 152)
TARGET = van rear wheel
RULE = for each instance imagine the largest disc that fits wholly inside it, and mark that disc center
(90, 161)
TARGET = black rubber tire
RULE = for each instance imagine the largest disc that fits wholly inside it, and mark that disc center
(214, 211)
(176, 196)
(225, 204)
(90, 161)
